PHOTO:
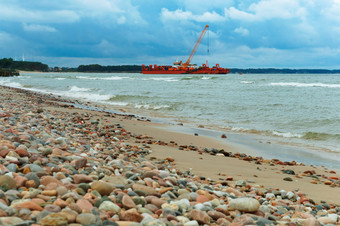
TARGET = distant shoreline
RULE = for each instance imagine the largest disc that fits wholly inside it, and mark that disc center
(232, 71)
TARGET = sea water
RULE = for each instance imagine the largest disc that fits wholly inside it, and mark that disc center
(300, 111)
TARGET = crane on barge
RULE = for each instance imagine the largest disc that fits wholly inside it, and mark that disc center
(186, 68)
(187, 63)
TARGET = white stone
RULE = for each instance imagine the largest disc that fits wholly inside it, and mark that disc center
(245, 204)
(109, 206)
(290, 195)
(191, 223)
(333, 217)
(270, 195)
(182, 219)
(183, 203)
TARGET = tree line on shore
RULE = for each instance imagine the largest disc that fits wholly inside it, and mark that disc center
(8, 66)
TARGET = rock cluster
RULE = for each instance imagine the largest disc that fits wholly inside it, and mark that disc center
(62, 167)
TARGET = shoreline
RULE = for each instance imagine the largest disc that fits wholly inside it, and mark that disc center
(223, 171)
(255, 142)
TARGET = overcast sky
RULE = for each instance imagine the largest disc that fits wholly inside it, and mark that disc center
(243, 34)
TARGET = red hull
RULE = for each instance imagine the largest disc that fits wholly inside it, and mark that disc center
(173, 70)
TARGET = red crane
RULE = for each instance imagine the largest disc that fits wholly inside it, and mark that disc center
(187, 63)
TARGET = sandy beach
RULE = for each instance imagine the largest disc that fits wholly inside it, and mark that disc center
(142, 165)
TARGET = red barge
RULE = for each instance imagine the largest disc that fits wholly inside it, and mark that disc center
(186, 68)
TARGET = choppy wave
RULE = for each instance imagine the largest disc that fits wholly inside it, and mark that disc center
(11, 84)
(166, 79)
(79, 89)
(247, 82)
(306, 136)
(297, 84)
(128, 97)
(102, 78)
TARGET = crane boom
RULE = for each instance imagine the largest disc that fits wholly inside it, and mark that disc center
(196, 46)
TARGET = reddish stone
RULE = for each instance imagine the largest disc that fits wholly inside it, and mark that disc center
(22, 152)
(128, 202)
(84, 204)
(157, 202)
(202, 199)
(30, 205)
(20, 181)
(4, 152)
(222, 222)
(30, 184)
(26, 170)
(60, 202)
(216, 215)
(52, 186)
(82, 178)
(131, 215)
(3, 213)
(224, 136)
(243, 220)
(200, 216)
(80, 163)
(45, 180)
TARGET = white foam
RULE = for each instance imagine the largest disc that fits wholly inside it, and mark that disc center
(104, 78)
(297, 84)
(60, 78)
(247, 82)
(287, 135)
(79, 89)
(113, 78)
(169, 79)
(10, 84)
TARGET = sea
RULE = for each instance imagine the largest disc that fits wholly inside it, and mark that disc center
(292, 117)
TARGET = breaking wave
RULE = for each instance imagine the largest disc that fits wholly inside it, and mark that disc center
(297, 84)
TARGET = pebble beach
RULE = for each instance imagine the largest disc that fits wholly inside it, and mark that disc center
(63, 165)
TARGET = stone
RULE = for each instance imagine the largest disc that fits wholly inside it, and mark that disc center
(243, 220)
(80, 163)
(327, 220)
(216, 215)
(102, 187)
(127, 202)
(86, 219)
(7, 183)
(244, 204)
(202, 199)
(146, 189)
(52, 208)
(109, 206)
(70, 214)
(10, 221)
(200, 216)
(22, 152)
(45, 180)
(29, 205)
(117, 181)
(84, 204)
(20, 181)
(60, 202)
(55, 219)
(82, 178)
(287, 179)
(131, 215)
(191, 223)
